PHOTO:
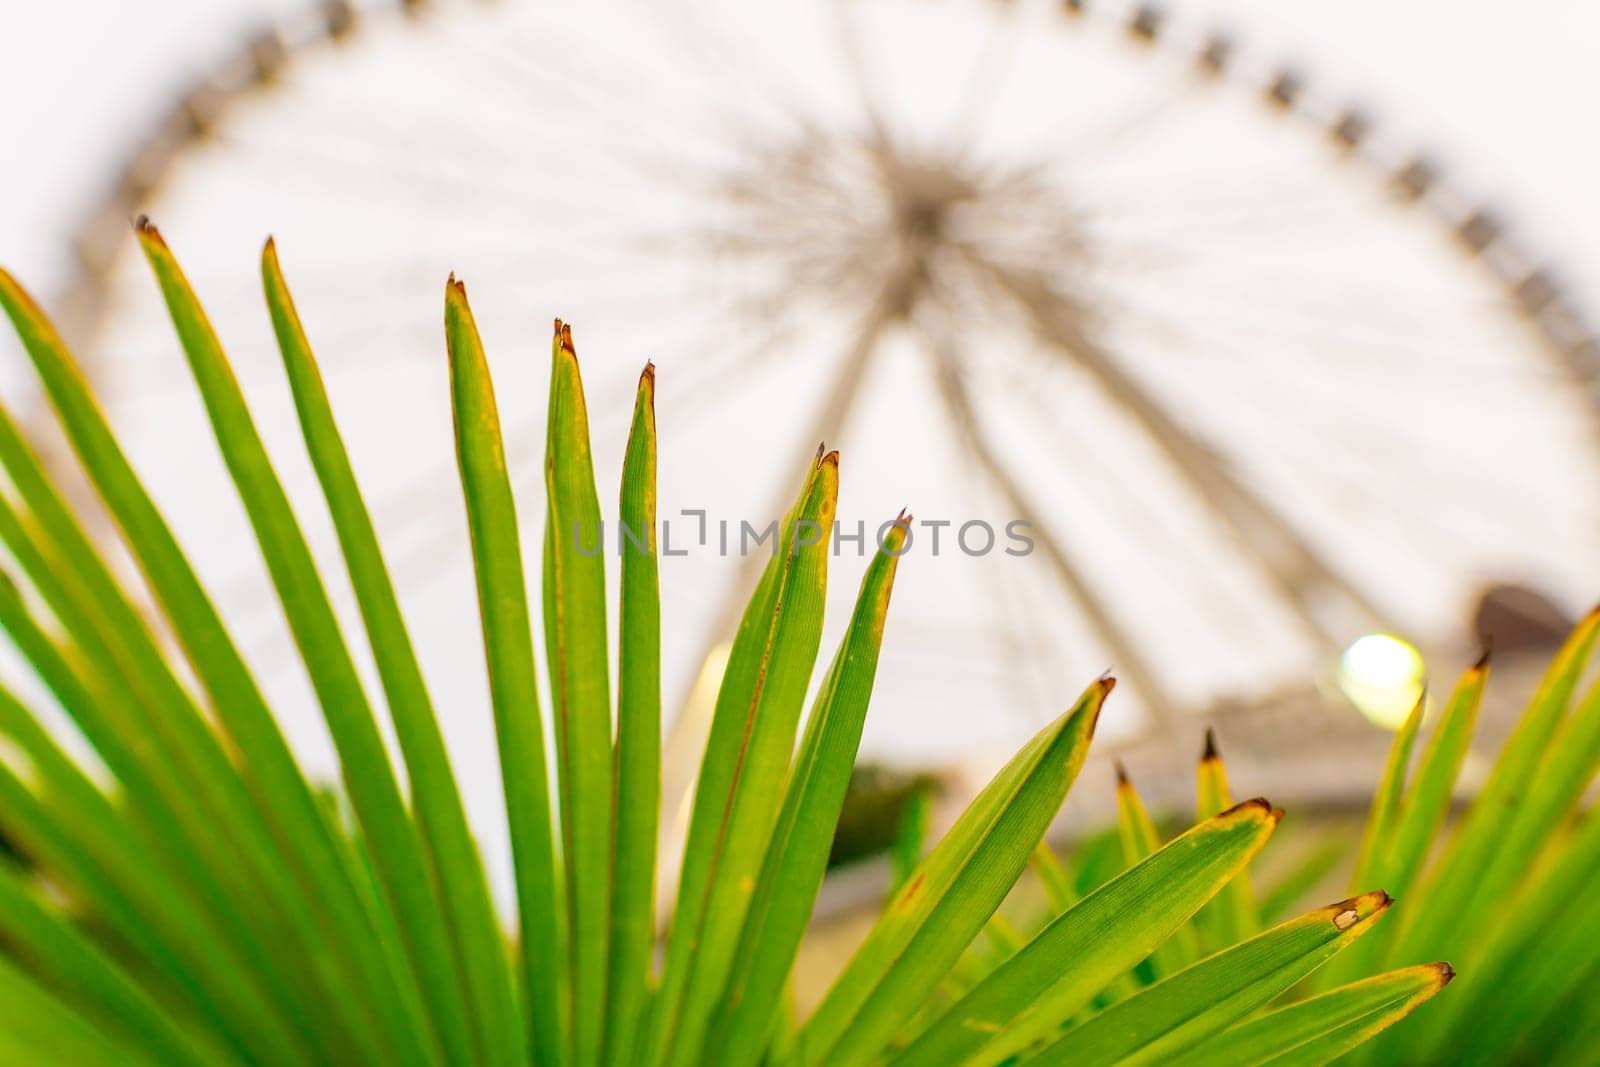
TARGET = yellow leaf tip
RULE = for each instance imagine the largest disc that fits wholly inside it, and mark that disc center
(1352, 910)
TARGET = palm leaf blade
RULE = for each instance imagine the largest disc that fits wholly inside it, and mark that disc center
(813, 797)
(638, 752)
(751, 740)
(1178, 1013)
(443, 820)
(941, 909)
(1325, 1027)
(1086, 947)
(575, 634)
(513, 686)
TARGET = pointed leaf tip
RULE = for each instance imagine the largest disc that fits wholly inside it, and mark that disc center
(147, 233)
(1122, 773)
(1210, 751)
(1259, 803)
(1483, 657)
(1376, 899)
(566, 338)
(1357, 909)
(899, 530)
(830, 460)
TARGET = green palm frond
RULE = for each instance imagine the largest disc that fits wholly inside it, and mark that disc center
(194, 898)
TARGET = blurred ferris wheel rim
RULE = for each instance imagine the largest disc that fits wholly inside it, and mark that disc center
(927, 236)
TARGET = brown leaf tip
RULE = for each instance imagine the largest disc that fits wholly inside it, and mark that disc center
(830, 460)
(1210, 751)
(147, 231)
(904, 518)
(1258, 803)
(649, 373)
(1483, 657)
(566, 339)
(1447, 973)
(1122, 772)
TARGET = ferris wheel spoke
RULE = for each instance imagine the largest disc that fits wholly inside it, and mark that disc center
(1316, 303)
(1140, 517)
(986, 78)
(1018, 642)
(583, 90)
(849, 43)
(1240, 346)
(1337, 416)
(429, 181)
(1127, 659)
(1452, 543)
(720, 48)
(1103, 142)
(1289, 559)
(1229, 328)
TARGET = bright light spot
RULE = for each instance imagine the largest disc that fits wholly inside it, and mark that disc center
(1383, 677)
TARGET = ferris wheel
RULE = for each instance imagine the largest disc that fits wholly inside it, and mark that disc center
(1255, 378)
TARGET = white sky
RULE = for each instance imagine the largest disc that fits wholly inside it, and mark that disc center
(1505, 93)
